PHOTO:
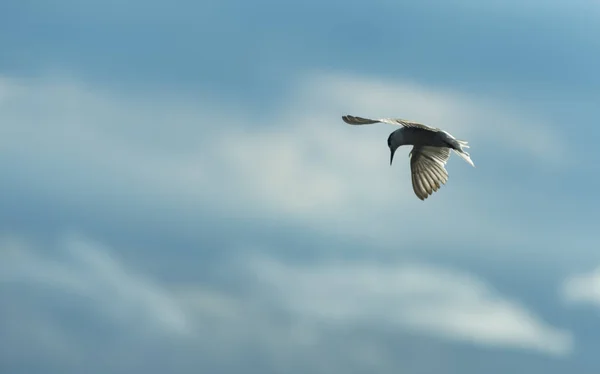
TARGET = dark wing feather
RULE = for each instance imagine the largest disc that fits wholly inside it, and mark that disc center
(353, 120)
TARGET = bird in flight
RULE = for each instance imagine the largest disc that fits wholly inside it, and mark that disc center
(430, 152)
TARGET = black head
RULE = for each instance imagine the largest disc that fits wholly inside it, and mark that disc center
(392, 147)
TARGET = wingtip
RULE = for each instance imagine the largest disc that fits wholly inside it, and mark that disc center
(347, 118)
(355, 120)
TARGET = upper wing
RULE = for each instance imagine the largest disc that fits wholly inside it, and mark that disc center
(427, 169)
(353, 120)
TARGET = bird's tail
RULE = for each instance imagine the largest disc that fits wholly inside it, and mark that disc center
(458, 146)
(465, 156)
(462, 153)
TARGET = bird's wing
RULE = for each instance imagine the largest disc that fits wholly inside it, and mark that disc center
(427, 167)
(353, 120)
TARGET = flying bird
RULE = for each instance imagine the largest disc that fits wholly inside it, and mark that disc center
(430, 152)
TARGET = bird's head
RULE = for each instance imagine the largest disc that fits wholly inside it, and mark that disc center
(393, 146)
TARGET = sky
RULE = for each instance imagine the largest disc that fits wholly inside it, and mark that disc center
(179, 192)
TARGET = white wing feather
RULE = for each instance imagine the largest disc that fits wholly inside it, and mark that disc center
(427, 167)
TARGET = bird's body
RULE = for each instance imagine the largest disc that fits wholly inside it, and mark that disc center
(418, 137)
(431, 151)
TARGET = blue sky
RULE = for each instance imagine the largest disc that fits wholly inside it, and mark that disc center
(180, 194)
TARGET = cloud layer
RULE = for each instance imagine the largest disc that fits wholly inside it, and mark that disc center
(582, 289)
(179, 194)
(437, 301)
(157, 154)
(142, 170)
(285, 313)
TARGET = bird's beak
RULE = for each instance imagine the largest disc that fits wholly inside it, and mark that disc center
(392, 151)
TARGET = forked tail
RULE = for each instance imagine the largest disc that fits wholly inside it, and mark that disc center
(463, 143)
(462, 153)
(465, 156)
(459, 149)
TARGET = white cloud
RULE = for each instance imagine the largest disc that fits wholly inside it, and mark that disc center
(320, 304)
(582, 289)
(88, 270)
(100, 151)
(436, 301)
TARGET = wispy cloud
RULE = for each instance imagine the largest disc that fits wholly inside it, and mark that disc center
(298, 163)
(286, 314)
(582, 289)
(88, 270)
(441, 302)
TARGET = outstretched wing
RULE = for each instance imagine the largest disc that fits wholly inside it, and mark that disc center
(427, 167)
(353, 120)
